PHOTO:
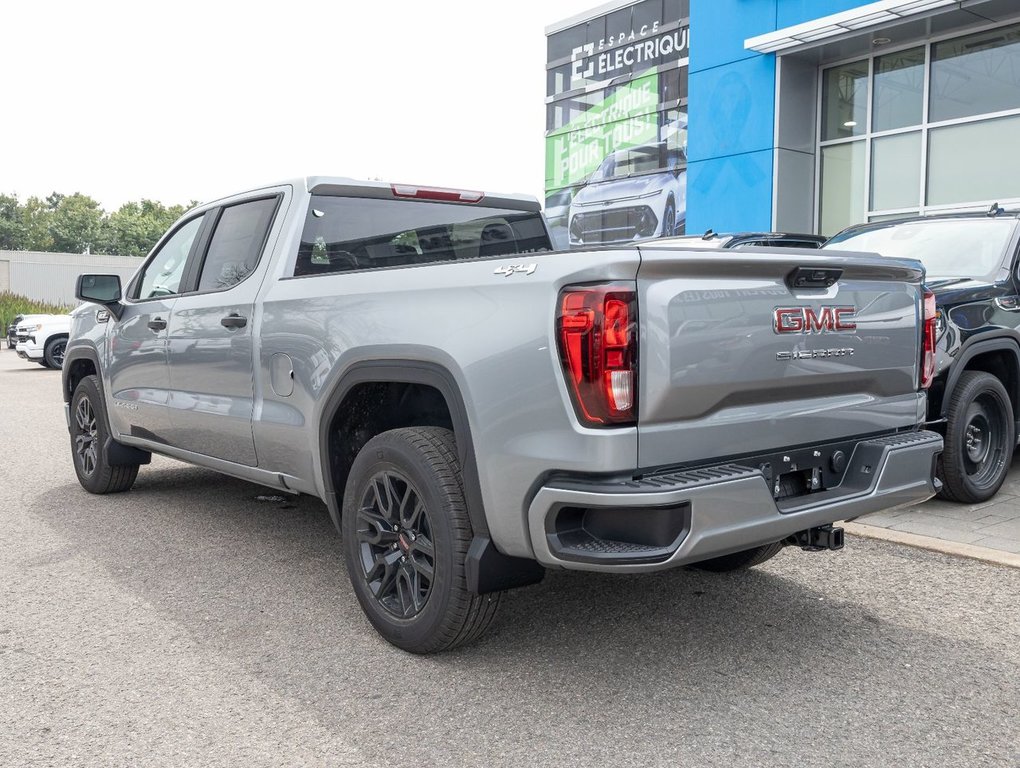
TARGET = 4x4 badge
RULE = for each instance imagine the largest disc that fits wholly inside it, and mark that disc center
(508, 270)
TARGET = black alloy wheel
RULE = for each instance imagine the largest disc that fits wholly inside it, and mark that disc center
(398, 558)
(979, 439)
(86, 437)
(406, 534)
(54, 354)
(89, 435)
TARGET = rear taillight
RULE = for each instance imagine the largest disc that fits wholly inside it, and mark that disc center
(596, 329)
(928, 340)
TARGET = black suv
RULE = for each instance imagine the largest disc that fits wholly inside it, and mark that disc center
(12, 331)
(776, 239)
(973, 270)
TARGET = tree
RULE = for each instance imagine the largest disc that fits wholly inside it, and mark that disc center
(75, 223)
(12, 229)
(35, 218)
(134, 228)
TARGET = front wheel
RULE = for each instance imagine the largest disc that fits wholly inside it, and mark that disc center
(669, 219)
(54, 353)
(89, 433)
(979, 439)
(406, 535)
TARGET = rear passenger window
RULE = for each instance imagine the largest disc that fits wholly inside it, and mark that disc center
(236, 244)
(351, 233)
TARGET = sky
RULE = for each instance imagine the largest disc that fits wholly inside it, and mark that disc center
(182, 100)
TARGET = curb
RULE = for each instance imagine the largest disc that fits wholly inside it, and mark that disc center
(958, 549)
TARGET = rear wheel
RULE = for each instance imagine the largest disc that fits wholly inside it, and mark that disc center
(406, 535)
(89, 433)
(979, 439)
(738, 561)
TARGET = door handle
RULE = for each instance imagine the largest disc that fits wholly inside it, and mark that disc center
(157, 324)
(234, 320)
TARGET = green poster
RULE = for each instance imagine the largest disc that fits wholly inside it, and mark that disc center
(625, 119)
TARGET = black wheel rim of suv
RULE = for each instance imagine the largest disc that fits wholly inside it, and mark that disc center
(984, 441)
(58, 353)
(87, 438)
(395, 544)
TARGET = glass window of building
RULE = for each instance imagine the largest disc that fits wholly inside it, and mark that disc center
(885, 150)
(896, 171)
(842, 197)
(899, 90)
(845, 101)
(976, 74)
(616, 121)
(968, 162)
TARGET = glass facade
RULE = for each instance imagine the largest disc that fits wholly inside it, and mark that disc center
(616, 125)
(919, 130)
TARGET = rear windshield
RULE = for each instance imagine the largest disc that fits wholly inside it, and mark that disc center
(948, 248)
(352, 233)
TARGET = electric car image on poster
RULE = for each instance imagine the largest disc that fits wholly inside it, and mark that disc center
(629, 197)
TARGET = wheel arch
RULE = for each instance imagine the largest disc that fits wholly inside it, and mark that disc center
(1000, 357)
(418, 372)
(79, 362)
(488, 570)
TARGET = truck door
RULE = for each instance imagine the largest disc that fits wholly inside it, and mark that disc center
(139, 380)
(210, 338)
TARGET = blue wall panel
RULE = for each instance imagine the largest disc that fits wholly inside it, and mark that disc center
(733, 193)
(719, 28)
(732, 109)
(732, 114)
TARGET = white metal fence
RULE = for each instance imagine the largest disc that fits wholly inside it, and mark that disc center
(51, 276)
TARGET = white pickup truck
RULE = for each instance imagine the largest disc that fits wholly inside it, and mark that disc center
(43, 339)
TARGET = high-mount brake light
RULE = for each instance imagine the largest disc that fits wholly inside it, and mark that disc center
(930, 315)
(436, 193)
(596, 330)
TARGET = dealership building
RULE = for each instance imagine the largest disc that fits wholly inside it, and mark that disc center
(785, 115)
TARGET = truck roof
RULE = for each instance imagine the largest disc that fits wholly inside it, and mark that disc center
(346, 186)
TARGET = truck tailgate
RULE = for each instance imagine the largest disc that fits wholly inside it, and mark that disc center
(734, 361)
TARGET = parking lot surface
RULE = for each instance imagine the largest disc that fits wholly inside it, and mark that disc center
(189, 623)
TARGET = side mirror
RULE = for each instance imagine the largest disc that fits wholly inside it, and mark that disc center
(100, 289)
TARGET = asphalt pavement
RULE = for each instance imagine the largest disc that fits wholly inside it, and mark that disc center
(189, 623)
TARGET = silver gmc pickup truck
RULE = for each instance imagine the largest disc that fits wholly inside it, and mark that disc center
(474, 408)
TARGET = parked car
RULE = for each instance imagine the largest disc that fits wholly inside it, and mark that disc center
(474, 408)
(12, 329)
(775, 239)
(973, 270)
(43, 339)
(629, 197)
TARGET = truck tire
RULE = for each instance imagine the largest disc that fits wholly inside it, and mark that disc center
(979, 439)
(89, 432)
(406, 534)
(53, 356)
(738, 561)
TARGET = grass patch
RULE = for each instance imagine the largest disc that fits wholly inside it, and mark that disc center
(12, 304)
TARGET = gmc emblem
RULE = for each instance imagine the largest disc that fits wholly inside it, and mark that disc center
(808, 320)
